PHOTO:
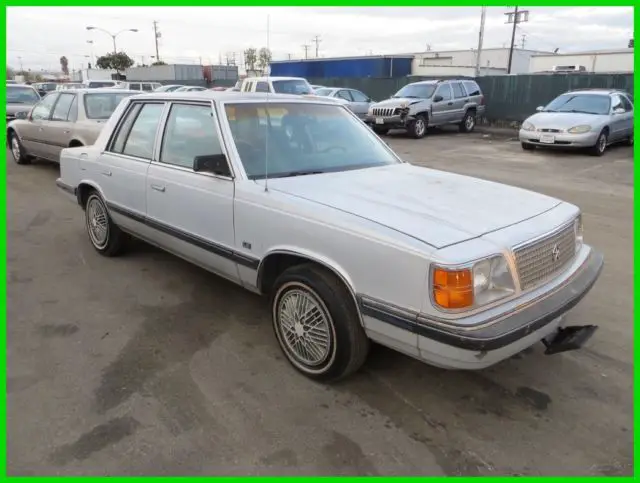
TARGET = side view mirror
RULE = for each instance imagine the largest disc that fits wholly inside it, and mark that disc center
(22, 115)
(212, 163)
(438, 98)
(539, 108)
(619, 110)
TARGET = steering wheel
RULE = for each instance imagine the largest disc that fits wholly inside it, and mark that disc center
(333, 148)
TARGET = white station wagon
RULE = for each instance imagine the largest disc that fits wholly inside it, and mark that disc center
(297, 199)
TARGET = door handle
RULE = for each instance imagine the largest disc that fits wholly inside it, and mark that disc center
(84, 155)
(107, 173)
(66, 131)
(449, 103)
(158, 187)
(40, 129)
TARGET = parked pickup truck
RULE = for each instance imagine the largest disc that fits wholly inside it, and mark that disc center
(296, 199)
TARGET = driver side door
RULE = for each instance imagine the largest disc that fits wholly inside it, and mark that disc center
(442, 108)
(32, 132)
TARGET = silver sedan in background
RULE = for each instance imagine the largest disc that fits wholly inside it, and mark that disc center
(591, 118)
(358, 101)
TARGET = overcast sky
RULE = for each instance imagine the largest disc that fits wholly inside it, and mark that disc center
(38, 36)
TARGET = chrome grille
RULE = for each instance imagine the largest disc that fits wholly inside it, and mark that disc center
(384, 111)
(541, 259)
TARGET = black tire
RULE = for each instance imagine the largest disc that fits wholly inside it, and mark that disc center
(468, 123)
(599, 148)
(380, 131)
(115, 239)
(629, 141)
(22, 157)
(418, 127)
(528, 146)
(347, 345)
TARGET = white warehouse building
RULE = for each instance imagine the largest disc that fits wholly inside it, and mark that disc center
(620, 60)
(493, 61)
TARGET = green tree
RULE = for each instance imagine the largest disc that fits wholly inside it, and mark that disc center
(159, 62)
(264, 59)
(117, 61)
(64, 65)
(10, 72)
(250, 58)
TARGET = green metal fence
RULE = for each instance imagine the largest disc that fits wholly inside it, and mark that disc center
(508, 97)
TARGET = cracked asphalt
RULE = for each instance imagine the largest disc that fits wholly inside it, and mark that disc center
(146, 365)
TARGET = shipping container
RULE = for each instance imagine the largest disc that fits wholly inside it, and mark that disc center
(348, 67)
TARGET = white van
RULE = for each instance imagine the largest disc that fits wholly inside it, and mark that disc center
(140, 86)
(277, 85)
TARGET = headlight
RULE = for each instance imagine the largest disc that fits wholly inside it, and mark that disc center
(579, 230)
(484, 282)
(527, 126)
(579, 129)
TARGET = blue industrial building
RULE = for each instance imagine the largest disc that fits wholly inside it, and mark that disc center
(383, 66)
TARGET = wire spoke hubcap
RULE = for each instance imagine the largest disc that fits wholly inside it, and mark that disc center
(305, 327)
(97, 223)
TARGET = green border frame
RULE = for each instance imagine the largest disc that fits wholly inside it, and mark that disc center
(298, 3)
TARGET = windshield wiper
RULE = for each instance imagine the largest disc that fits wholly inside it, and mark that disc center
(298, 173)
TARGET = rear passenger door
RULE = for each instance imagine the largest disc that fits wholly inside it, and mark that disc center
(442, 106)
(192, 212)
(121, 170)
(460, 101)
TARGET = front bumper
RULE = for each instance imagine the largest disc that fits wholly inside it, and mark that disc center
(561, 140)
(488, 342)
(399, 121)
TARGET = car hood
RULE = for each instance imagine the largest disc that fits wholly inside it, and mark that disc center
(399, 101)
(565, 120)
(436, 207)
(15, 108)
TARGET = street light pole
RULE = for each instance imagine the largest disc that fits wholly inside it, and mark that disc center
(113, 36)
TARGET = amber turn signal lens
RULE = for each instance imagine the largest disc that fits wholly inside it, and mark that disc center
(453, 289)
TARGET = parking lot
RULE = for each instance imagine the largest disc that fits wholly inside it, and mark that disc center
(146, 365)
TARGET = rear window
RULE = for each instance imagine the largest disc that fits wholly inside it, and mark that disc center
(17, 94)
(292, 86)
(101, 106)
(97, 84)
(473, 89)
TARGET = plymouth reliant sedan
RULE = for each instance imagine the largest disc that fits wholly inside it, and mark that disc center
(297, 199)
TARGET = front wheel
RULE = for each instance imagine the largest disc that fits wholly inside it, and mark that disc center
(629, 141)
(528, 146)
(18, 152)
(316, 323)
(380, 131)
(418, 127)
(104, 234)
(601, 144)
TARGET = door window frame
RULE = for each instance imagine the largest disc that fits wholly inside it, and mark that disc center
(444, 86)
(53, 109)
(53, 94)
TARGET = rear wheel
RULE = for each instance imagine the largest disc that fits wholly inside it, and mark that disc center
(316, 323)
(629, 141)
(104, 234)
(468, 122)
(418, 127)
(18, 152)
(601, 144)
(528, 146)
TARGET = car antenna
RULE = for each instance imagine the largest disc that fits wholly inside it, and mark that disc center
(266, 138)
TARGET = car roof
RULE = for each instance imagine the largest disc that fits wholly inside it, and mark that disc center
(229, 96)
(597, 91)
(100, 90)
(265, 78)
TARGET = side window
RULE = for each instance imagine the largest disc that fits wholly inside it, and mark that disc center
(445, 91)
(138, 141)
(262, 87)
(190, 132)
(616, 102)
(359, 96)
(626, 104)
(43, 109)
(134, 86)
(458, 91)
(61, 109)
(472, 88)
(147, 87)
(344, 94)
(73, 110)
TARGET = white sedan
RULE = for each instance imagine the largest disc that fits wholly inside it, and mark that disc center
(350, 243)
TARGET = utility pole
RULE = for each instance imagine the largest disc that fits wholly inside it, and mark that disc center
(480, 39)
(317, 41)
(289, 55)
(515, 18)
(306, 51)
(157, 35)
(523, 39)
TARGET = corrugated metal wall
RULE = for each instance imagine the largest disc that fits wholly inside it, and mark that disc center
(378, 67)
(508, 98)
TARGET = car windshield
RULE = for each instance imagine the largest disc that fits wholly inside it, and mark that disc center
(17, 94)
(101, 105)
(418, 91)
(323, 92)
(292, 139)
(292, 86)
(582, 103)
